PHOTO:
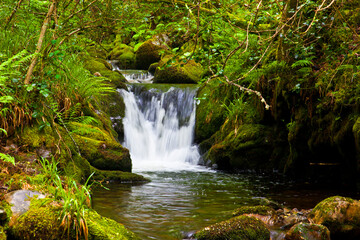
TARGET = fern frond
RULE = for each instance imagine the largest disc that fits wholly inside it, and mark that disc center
(302, 63)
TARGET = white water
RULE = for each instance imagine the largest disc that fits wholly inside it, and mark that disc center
(159, 129)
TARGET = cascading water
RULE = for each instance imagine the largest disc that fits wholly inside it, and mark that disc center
(159, 128)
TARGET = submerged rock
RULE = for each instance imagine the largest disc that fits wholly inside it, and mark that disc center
(340, 215)
(308, 231)
(241, 228)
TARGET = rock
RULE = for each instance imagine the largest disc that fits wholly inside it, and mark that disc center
(20, 200)
(38, 223)
(150, 51)
(242, 228)
(102, 228)
(152, 68)
(178, 72)
(100, 149)
(261, 210)
(340, 215)
(124, 56)
(305, 231)
(96, 65)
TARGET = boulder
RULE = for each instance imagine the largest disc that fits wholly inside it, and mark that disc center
(100, 149)
(304, 231)
(340, 215)
(150, 51)
(241, 228)
(174, 71)
(100, 67)
(123, 55)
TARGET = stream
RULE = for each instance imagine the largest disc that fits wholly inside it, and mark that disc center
(182, 196)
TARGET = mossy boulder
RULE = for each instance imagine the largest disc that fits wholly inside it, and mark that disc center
(248, 146)
(260, 209)
(304, 231)
(172, 70)
(96, 65)
(242, 228)
(102, 228)
(340, 215)
(100, 148)
(123, 55)
(33, 138)
(38, 223)
(150, 51)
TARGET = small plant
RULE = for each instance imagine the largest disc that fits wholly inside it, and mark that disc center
(76, 202)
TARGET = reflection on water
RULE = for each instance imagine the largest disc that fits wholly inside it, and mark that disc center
(177, 202)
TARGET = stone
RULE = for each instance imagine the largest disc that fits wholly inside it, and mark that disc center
(178, 71)
(124, 56)
(237, 228)
(20, 200)
(150, 51)
(305, 231)
(340, 215)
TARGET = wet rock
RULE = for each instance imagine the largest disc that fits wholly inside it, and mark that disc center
(340, 215)
(308, 231)
(237, 228)
(20, 200)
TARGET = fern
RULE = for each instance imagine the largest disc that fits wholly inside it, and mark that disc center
(302, 63)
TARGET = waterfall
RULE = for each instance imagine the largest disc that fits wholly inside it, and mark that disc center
(159, 128)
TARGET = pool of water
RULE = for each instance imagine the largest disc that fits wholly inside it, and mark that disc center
(175, 203)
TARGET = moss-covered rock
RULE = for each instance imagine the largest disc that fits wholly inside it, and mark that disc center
(124, 56)
(242, 228)
(178, 71)
(340, 215)
(100, 148)
(34, 138)
(38, 223)
(246, 147)
(102, 228)
(304, 231)
(150, 51)
(261, 210)
(95, 65)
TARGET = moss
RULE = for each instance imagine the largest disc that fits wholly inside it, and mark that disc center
(102, 228)
(242, 228)
(149, 52)
(98, 65)
(100, 149)
(178, 72)
(34, 138)
(97, 52)
(261, 210)
(38, 223)
(124, 56)
(2, 233)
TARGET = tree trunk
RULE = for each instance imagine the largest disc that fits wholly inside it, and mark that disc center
(40, 42)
